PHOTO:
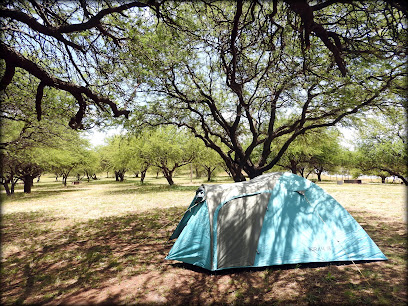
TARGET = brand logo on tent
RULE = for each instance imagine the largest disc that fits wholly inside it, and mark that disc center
(322, 248)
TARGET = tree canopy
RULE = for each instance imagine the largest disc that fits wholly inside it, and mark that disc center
(382, 146)
(241, 76)
(250, 74)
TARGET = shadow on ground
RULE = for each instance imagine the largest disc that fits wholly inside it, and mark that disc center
(120, 260)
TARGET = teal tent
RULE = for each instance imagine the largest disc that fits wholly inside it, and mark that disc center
(273, 219)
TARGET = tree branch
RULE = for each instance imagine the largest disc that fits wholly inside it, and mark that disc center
(8, 75)
(15, 59)
(302, 8)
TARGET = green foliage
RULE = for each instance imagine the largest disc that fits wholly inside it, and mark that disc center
(245, 83)
(207, 159)
(165, 148)
(318, 151)
(28, 143)
(72, 154)
(382, 147)
(169, 148)
(116, 155)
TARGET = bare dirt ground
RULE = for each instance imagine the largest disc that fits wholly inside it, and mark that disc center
(56, 258)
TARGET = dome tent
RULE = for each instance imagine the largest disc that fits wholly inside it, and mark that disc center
(273, 219)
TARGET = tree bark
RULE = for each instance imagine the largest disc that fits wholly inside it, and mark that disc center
(142, 175)
(28, 183)
(13, 185)
(168, 174)
(6, 188)
(237, 176)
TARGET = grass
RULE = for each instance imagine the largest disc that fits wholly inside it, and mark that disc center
(104, 242)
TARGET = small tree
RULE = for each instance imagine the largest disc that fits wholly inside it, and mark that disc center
(327, 156)
(382, 146)
(207, 158)
(116, 156)
(168, 149)
(70, 155)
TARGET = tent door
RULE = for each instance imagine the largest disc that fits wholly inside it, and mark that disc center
(239, 225)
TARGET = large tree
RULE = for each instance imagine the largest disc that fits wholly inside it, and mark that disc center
(69, 156)
(117, 156)
(250, 74)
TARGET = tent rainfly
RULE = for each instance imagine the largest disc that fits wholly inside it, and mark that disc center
(273, 219)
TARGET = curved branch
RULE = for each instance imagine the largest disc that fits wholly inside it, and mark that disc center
(56, 32)
(38, 98)
(36, 26)
(8, 75)
(305, 11)
(15, 59)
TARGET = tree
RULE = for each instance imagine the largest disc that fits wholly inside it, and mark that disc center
(90, 165)
(168, 149)
(254, 76)
(140, 160)
(68, 46)
(328, 152)
(117, 156)
(25, 164)
(25, 140)
(299, 154)
(207, 158)
(68, 156)
(382, 146)
(272, 69)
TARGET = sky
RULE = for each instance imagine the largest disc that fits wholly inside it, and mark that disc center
(97, 137)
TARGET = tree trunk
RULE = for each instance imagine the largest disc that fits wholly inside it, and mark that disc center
(319, 176)
(28, 183)
(142, 176)
(168, 174)
(293, 167)
(6, 188)
(13, 185)
(209, 173)
(197, 171)
(238, 177)
(307, 175)
(383, 179)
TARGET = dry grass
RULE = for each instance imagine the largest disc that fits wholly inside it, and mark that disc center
(105, 242)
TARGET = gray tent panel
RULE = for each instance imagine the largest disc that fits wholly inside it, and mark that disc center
(239, 227)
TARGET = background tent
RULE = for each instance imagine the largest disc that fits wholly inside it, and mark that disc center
(273, 219)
